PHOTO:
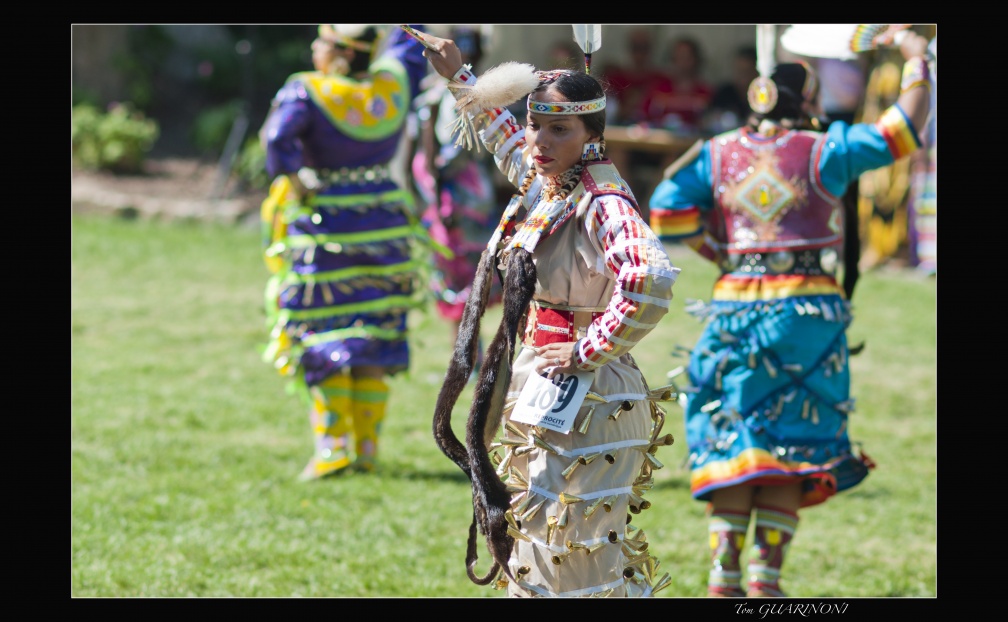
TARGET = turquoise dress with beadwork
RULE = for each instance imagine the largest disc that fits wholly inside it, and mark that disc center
(769, 398)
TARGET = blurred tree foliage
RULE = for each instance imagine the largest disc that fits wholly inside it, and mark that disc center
(195, 80)
(116, 140)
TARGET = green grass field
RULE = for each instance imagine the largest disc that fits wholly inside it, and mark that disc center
(185, 446)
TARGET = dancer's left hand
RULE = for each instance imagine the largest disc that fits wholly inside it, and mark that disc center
(555, 358)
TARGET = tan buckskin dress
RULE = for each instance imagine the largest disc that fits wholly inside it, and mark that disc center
(572, 494)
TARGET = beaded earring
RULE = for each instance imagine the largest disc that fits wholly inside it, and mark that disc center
(591, 152)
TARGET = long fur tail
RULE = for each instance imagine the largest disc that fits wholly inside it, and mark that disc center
(459, 369)
(491, 501)
(461, 365)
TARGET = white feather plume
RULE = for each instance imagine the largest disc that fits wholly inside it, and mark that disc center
(500, 86)
(588, 37)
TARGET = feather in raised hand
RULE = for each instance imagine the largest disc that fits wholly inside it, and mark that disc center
(500, 86)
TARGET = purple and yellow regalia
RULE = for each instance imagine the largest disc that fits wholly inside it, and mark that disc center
(344, 274)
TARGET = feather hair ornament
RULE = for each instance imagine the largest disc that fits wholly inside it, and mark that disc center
(589, 39)
(500, 86)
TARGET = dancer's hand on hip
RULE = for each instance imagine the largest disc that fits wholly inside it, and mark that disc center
(555, 358)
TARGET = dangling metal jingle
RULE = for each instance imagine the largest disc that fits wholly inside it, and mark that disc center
(524, 449)
(637, 503)
(570, 468)
(513, 429)
(607, 503)
(643, 484)
(327, 293)
(662, 583)
(539, 442)
(771, 370)
(308, 295)
(592, 507)
(636, 546)
(666, 440)
(516, 475)
(583, 426)
(533, 510)
(551, 527)
(521, 507)
(568, 499)
(515, 486)
(563, 518)
(710, 406)
(505, 462)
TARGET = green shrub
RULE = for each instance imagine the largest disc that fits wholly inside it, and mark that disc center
(251, 165)
(117, 140)
(212, 127)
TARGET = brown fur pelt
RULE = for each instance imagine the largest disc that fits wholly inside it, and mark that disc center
(461, 365)
(491, 501)
(459, 370)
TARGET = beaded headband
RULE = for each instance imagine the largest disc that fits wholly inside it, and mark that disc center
(588, 107)
(585, 107)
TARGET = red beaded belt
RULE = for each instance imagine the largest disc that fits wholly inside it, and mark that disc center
(556, 325)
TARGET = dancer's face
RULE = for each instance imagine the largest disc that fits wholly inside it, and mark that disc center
(323, 53)
(556, 140)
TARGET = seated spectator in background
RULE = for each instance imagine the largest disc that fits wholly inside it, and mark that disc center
(566, 54)
(729, 107)
(630, 83)
(679, 104)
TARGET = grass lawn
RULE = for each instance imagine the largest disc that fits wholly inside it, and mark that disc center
(185, 446)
